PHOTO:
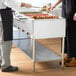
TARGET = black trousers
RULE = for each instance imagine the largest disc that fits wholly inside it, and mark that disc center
(68, 10)
(70, 40)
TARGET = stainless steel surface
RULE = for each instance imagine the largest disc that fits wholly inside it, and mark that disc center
(63, 39)
(33, 53)
(53, 28)
(36, 7)
(42, 54)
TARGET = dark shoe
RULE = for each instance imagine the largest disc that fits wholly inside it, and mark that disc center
(10, 69)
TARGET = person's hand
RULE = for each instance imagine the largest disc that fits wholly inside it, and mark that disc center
(48, 8)
(26, 5)
(74, 17)
(44, 8)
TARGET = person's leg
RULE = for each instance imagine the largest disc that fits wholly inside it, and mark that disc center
(72, 44)
(1, 34)
(5, 49)
(5, 53)
(72, 39)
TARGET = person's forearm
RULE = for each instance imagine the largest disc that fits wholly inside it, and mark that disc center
(23, 4)
(58, 2)
(26, 5)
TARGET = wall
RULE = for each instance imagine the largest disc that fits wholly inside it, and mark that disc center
(39, 2)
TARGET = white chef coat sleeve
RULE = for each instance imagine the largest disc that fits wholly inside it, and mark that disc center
(14, 4)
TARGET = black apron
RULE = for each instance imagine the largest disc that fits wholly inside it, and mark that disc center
(68, 10)
(7, 21)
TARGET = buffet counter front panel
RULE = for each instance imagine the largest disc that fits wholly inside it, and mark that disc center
(43, 28)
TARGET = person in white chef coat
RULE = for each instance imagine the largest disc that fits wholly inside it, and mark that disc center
(6, 32)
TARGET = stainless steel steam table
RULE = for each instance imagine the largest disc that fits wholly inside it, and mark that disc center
(41, 29)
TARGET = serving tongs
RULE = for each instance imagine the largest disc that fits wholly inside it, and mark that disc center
(36, 7)
(41, 8)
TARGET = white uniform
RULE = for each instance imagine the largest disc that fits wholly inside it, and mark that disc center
(6, 45)
(14, 4)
